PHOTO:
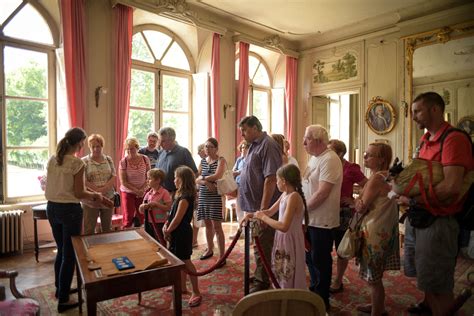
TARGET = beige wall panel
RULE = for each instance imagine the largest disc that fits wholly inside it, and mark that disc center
(99, 65)
(382, 81)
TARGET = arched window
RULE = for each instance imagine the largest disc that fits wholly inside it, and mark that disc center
(161, 84)
(27, 41)
(262, 102)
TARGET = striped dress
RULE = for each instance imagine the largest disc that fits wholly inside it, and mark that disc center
(210, 203)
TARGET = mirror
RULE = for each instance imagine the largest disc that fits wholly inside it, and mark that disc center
(442, 61)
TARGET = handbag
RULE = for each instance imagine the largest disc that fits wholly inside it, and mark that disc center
(117, 200)
(226, 184)
(351, 242)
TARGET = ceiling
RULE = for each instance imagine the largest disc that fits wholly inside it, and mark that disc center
(297, 20)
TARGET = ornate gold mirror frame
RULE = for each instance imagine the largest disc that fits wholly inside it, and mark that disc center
(412, 42)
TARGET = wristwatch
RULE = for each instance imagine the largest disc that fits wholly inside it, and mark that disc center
(412, 202)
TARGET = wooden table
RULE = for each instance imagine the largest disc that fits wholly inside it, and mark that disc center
(39, 213)
(99, 287)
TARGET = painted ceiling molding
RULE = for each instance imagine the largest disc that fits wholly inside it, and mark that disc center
(174, 9)
(272, 42)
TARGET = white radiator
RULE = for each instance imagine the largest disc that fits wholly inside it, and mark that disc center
(11, 237)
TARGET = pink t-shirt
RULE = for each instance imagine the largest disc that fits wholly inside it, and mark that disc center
(136, 174)
(351, 174)
(456, 152)
(157, 215)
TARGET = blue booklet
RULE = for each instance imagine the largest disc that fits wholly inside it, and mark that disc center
(123, 263)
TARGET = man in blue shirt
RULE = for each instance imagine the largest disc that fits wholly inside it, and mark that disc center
(171, 156)
(257, 190)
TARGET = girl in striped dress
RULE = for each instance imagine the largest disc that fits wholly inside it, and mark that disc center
(210, 203)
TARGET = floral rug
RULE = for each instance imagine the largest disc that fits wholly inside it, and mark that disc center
(223, 288)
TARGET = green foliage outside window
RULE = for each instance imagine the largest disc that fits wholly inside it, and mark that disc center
(26, 120)
(140, 123)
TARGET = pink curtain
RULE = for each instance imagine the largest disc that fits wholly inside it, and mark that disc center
(123, 16)
(243, 87)
(215, 86)
(73, 23)
(290, 97)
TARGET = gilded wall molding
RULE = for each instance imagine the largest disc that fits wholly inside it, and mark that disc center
(412, 42)
(176, 9)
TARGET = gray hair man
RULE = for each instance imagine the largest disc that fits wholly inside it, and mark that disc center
(172, 156)
(322, 188)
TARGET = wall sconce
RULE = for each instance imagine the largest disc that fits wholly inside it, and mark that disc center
(229, 107)
(98, 91)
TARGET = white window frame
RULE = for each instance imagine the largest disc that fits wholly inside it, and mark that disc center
(159, 70)
(255, 87)
(49, 50)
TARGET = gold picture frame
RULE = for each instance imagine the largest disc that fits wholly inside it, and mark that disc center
(466, 123)
(380, 116)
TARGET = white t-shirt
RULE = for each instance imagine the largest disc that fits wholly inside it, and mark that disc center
(60, 179)
(325, 167)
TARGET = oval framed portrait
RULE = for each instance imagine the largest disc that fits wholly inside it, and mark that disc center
(466, 123)
(380, 116)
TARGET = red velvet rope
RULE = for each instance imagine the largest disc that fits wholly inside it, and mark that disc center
(219, 262)
(265, 263)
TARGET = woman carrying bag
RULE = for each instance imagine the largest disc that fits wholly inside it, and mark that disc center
(379, 227)
(210, 205)
(100, 177)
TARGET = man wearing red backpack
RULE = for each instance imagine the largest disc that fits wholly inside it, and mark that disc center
(436, 246)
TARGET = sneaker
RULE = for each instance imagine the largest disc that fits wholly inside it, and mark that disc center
(334, 290)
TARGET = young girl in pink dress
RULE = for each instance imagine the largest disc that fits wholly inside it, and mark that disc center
(288, 255)
(156, 204)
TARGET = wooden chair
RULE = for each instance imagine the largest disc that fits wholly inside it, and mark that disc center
(22, 305)
(280, 302)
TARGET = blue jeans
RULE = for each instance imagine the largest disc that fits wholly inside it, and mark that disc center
(319, 261)
(66, 221)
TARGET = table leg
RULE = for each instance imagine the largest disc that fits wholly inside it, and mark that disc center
(36, 238)
(177, 295)
(79, 288)
(91, 308)
(247, 260)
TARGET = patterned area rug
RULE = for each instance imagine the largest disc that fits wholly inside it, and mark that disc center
(223, 288)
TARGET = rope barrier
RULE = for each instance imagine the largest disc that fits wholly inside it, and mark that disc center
(220, 261)
(266, 266)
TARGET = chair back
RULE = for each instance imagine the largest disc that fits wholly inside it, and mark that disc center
(281, 302)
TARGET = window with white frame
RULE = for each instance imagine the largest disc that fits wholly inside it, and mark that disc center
(27, 97)
(265, 103)
(160, 93)
(339, 119)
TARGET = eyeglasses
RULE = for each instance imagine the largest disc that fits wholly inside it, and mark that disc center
(210, 146)
(369, 155)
